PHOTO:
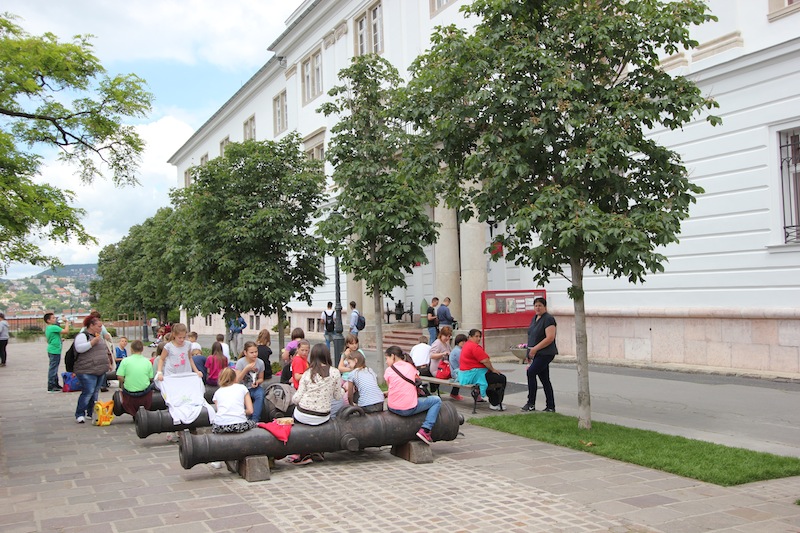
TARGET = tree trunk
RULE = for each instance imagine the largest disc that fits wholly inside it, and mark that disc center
(376, 297)
(281, 337)
(581, 347)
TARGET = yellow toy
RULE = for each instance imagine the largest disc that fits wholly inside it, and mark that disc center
(103, 413)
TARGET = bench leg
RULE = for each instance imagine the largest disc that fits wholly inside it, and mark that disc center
(476, 393)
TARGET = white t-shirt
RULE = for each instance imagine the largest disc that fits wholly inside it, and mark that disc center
(226, 350)
(178, 358)
(421, 354)
(230, 404)
(196, 346)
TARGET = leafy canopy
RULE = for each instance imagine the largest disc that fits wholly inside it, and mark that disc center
(241, 239)
(39, 76)
(381, 226)
(541, 119)
(133, 277)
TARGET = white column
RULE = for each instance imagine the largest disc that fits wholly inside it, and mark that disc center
(447, 274)
(474, 278)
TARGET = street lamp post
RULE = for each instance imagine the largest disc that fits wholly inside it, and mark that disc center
(144, 326)
(338, 338)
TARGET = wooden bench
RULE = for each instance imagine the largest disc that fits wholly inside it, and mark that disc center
(475, 388)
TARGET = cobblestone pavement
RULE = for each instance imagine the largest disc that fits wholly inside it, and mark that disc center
(61, 476)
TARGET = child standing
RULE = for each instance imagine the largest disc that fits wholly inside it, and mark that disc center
(215, 364)
(120, 352)
(135, 374)
(402, 397)
(53, 334)
(233, 404)
(250, 373)
(175, 357)
(364, 381)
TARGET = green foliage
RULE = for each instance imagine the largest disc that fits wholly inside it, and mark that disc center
(276, 368)
(241, 238)
(704, 461)
(541, 117)
(134, 276)
(39, 74)
(382, 226)
(27, 334)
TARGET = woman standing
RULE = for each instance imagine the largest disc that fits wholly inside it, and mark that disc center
(3, 339)
(541, 352)
(93, 361)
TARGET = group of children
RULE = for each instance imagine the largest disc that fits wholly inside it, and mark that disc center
(321, 387)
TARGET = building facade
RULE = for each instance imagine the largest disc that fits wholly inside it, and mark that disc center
(729, 295)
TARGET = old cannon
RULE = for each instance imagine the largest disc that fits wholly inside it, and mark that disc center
(158, 400)
(149, 422)
(351, 430)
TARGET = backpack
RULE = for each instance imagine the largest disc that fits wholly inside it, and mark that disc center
(361, 322)
(70, 357)
(330, 324)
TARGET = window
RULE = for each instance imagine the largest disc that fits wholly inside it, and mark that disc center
(314, 145)
(187, 178)
(279, 112)
(311, 69)
(439, 5)
(252, 322)
(249, 128)
(209, 322)
(204, 159)
(223, 144)
(782, 8)
(790, 183)
(258, 322)
(369, 31)
(310, 324)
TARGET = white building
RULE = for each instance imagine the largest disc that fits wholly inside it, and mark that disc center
(729, 295)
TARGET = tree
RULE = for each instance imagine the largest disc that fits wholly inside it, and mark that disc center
(541, 118)
(383, 226)
(242, 239)
(133, 278)
(38, 76)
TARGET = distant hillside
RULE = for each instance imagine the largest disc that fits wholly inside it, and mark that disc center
(71, 271)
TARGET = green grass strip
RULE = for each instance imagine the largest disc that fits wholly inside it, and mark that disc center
(704, 461)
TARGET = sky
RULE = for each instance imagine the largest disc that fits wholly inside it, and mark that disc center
(193, 54)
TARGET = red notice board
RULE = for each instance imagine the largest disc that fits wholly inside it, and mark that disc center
(508, 309)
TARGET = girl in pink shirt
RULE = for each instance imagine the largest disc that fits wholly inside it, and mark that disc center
(402, 397)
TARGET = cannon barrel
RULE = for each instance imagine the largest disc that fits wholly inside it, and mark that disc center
(158, 400)
(149, 422)
(351, 430)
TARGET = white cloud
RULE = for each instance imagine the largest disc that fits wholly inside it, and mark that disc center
(207, 34)
(230, 35)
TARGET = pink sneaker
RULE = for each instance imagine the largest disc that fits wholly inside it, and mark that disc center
(456, 397)
(424, 435)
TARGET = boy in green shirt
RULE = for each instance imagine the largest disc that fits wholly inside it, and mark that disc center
(52, 333)
(135, 374)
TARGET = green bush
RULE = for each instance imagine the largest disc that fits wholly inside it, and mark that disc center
(276, 367)
(27, 334)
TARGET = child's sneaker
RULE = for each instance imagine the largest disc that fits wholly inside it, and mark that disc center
(216, 464)
(298, 460)
(80, 420)
(457, 397)
(424, 435)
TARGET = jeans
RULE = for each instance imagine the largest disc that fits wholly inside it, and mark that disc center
(540, 367)
(432, 333)
(52, 370)
(237, 344)
(90, 388)
(328, 339)
(431, 404)
(3, 345)
(257, 395)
